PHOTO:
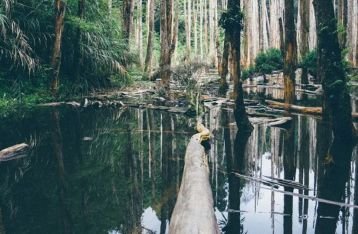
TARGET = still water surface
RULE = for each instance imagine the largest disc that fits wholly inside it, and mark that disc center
(118, 171)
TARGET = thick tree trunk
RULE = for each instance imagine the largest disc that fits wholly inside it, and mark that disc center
(60, 9)
(336, 100)
(77, 58)
(290, 62)
(128, 9)
(167, 47)
(241, 118)
(148, 58)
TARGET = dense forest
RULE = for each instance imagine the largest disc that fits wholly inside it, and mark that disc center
(72, 47)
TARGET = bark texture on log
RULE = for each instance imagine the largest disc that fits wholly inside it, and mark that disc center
(194, 209)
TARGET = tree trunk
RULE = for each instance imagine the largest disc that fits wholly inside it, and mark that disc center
(336, 100)
(77, 58)
(60, 9)
(304, 35)
(167, 47)
(140, 33)
(128, 9)
(148, 58)
(290, 62)
(241, 118)
(224, 64)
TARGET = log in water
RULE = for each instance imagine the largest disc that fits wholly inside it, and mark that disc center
(194, 209)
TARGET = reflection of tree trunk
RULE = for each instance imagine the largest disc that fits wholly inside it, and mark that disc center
(58, 153)
(134, 194)
(2, 227)
(289, 174)
(167, 173)
(355, 212)
(304, 171)
(335, 176)
(235, 163)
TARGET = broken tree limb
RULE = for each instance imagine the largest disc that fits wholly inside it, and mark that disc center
(14, 152)
(194, 208)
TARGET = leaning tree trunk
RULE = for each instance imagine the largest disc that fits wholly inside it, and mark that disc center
(290, 62)
(60, 9)
(336, 100)
(148, 58)
(167, 47)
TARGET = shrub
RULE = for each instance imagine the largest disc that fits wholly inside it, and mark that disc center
(309, 62)
(268, 61)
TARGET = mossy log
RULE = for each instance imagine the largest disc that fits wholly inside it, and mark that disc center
(194, 208)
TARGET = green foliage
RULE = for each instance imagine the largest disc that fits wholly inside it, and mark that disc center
(232, 18)
(92, 45)
(268, 61)
(249, 72)
(309, 62)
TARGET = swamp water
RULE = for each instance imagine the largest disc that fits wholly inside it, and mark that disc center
(115, 171)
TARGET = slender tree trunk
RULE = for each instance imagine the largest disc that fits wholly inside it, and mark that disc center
(343, 21)
(77, 57)
(128, 9)
(60, 9)
(224, 64)
(304, 35)
(167, 47)
(140, 32)
(336, 100)
(148, 58)
(201, 25)
(290, 62)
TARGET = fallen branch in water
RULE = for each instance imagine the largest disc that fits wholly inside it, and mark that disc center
(14, 152)
(322, 200)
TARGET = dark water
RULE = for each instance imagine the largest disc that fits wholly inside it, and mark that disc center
(118, 171)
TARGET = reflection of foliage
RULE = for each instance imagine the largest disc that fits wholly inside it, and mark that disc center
(99, 175)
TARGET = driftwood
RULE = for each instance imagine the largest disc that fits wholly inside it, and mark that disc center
(14, 152)
(194, 209)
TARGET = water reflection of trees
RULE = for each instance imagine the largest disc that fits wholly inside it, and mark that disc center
(336, 160)
(235, 164)
(92, 173)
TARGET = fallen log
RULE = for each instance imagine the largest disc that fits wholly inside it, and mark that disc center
(295, 108)
(301, 109)
(14, 152)
(194, 208)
